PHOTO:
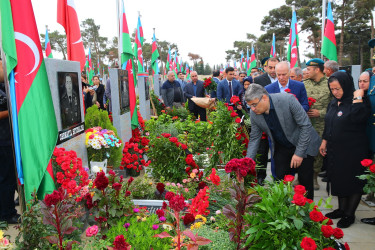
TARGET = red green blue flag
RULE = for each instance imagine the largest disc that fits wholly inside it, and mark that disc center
(47, 46)
(329, 48)
(242, 60)
(31, 99)
(126, 50)
(91, 70)
(273, 47)
(247, 60)
(138, 46)
(154, 56)
(253, 61)
(292, 55)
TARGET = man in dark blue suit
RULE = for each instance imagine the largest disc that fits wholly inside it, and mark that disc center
(228, 87)
(283, 82)
(195, 89)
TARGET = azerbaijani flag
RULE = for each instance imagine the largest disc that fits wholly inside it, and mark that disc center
(253, 61)
(98, 67)
(31, 100)
(273, 47)
(91, 70)
(242, 59)
(169, 58)
(292, 55)
(138, 46)
(47, 46)
(176, 63)
(187, 72)
(247, 60)
(67, 17)
(329, 49)
(127, 57)
(154, 56)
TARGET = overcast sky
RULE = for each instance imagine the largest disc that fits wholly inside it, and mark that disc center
(203, 27)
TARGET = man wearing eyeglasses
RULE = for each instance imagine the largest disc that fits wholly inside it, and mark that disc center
(294, 141)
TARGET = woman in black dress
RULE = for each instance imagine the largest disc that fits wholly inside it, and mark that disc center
(345, 144)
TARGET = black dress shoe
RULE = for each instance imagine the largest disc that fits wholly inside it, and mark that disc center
(261, 181)
(14, 219)
(335, 214)
(325, 179)
(346, 221)
(323, 174)
(370, 221)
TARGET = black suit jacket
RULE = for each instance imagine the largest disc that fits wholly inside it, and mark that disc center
(263, 80)
(189, 92)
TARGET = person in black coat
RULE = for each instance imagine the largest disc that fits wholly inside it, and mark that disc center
(99, 89)
(345, 144)
(195, 89)
(270, 75)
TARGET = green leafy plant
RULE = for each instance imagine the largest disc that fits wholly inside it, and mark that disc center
(220, 238)
(159, 106)
(139, 231)
(143, 188)
(96, 117)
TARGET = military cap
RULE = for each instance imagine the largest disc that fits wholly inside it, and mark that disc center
(371, 43)
(264, 60)
(315, 62)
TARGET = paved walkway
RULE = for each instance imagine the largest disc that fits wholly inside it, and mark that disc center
(359, 236)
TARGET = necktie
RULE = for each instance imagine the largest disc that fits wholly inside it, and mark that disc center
(230, 89)
(70, 100)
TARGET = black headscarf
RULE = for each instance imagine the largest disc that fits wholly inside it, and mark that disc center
(346, 82)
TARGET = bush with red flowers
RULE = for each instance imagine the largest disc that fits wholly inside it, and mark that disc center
(68, 172)
(299, 222)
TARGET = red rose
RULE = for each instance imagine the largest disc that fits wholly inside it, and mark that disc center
(287, 90)
(338, 233)
(329, 248)
(233, 114)
(366, 162)
(347, 246)
(329, 221)
(300, 189)
(327, 231)
(238, 120)
(308, 244)
(372, 168)
(166, 135)
(316, 216)
(230, 108)
(173, 139)
(188, 219)
(183, 146)
(288, 178)
(299, 199)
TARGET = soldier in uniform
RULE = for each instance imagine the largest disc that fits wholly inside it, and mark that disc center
(317, 87)
(69, 104)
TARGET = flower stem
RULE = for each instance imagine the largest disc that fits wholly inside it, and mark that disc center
(58, 228)
(177, 215)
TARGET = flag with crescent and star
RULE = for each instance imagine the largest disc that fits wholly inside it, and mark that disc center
(154, 56)
(31, 99)
(329, 48)
(47, 45)
(138, 46)
(253, 61)
(292, 55)
(273, 47)
(68, 18)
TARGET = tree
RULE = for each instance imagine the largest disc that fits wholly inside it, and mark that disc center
(57, 40)
(91, 38)
(207, 69)
(194, 57)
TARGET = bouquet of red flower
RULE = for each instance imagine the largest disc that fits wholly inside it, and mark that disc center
(235, 100)
(311, 101)
(369, 175)
(209, 84)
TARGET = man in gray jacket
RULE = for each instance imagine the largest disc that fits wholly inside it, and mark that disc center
(294, 141)
(172, 93)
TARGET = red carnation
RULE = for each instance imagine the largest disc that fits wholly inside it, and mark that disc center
(169, 195)
(54, 198)
(160, 187)
(338, 233)
(116, 186)
(188, 219)
(308, 244)
(300, 189)
(327, 231)
(299, 199)
(366, 162)
(119, 243)
(101, 181)
(160, 212)
(316, 216)
(288, 178)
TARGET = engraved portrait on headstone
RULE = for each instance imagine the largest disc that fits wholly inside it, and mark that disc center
(147, 88)
(123, 82)
(69, 98)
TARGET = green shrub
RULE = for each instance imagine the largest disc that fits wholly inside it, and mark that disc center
(220, 238)
(96, 117)
(142, 188)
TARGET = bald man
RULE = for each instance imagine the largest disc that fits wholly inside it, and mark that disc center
(172, 92)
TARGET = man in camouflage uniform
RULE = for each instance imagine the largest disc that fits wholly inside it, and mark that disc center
(317, 88)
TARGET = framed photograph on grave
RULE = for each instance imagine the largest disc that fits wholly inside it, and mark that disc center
(147, 88)
(69, 99)
(123, 86)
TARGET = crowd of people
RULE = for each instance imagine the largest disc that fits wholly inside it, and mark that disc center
(328, 137)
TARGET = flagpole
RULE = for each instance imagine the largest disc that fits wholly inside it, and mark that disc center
(119, 33)
(324, 11)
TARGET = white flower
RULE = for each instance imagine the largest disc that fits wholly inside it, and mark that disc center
(95, 169)
(218, 212)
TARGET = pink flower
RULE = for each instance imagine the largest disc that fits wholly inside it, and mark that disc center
(186, 190)
(91, 231)
(195, 171)
(155, 227)
(184, 180)
(167, 184)
(162, 219)
(136, 210)
(173, 184)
